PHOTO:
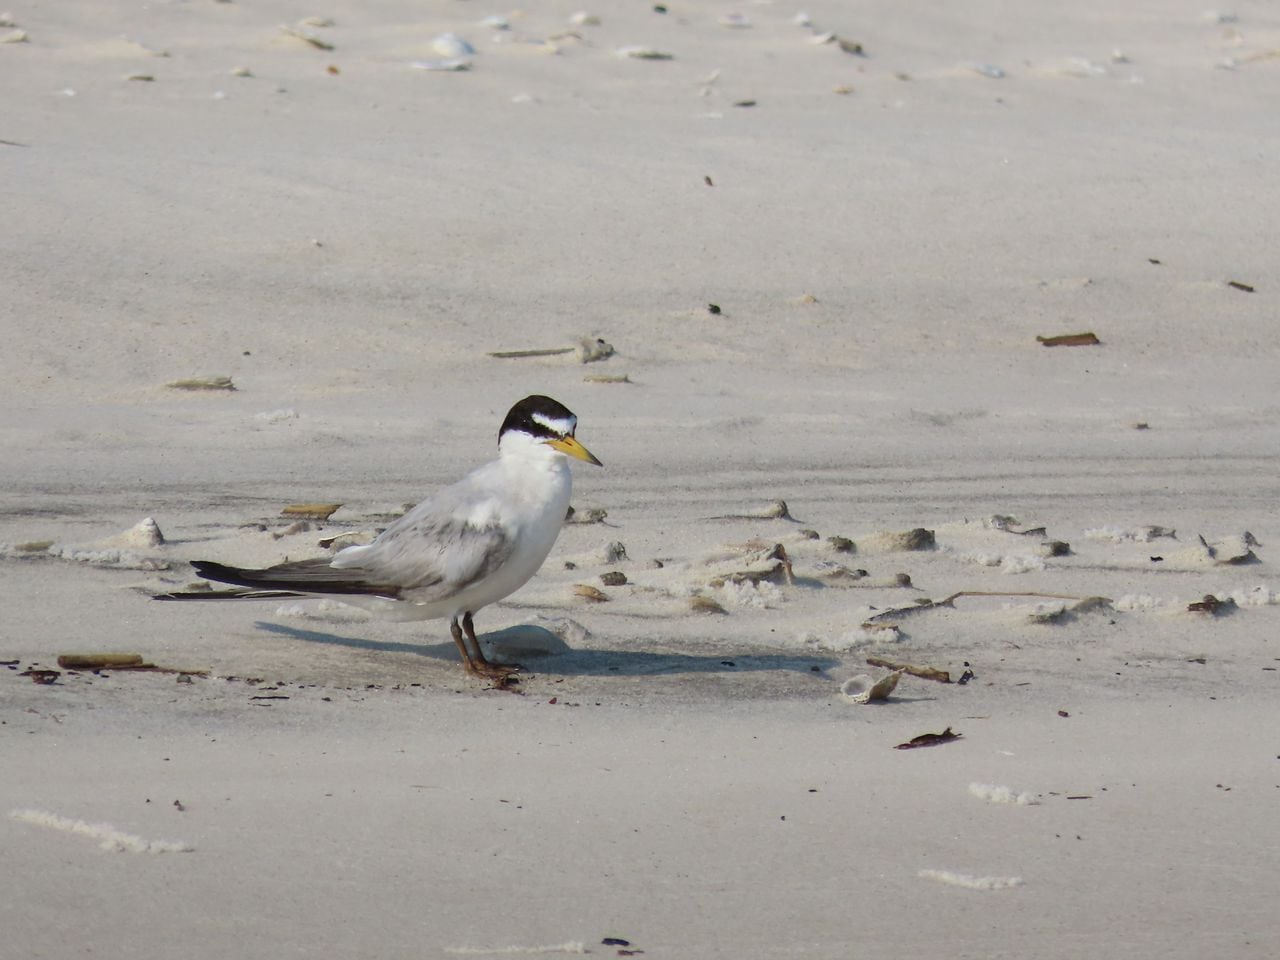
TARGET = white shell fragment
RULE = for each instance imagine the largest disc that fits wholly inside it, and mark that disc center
(145, 48)
(127, 550)
(14, 36)
(454, 54)
(584, 19)
(453, 65)
(735, 21)
(862, 689)
(985, 69)
(970, 882)
(591, 349)
(993, 793)
(452, 46)
(644, 53)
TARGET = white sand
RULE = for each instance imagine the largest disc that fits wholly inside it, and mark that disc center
(348, 246)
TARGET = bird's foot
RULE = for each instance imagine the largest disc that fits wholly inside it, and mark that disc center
(503, 675)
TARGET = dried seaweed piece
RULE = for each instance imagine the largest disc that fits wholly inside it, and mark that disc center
(98, 661)
(305, 35)
(41, 676)
(896, 613)
(1237, 285)
(520, 354)
(1212, 605)
(606, 378)
(842, 545)
(311, 511)
(929, 740)
(1070, 340)
(924, 673)
(923, 604)
(202, 383)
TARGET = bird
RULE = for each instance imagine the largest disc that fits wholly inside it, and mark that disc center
(467, 546)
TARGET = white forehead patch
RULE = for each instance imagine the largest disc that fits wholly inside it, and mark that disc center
(557, 425)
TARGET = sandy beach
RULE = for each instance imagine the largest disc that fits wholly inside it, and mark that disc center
(260, 254)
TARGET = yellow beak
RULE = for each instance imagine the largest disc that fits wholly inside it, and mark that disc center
(574, 449)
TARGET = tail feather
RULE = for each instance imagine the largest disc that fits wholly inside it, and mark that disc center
(296, 578)
(228, 595)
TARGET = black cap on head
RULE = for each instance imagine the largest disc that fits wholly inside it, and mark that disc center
(540, 416)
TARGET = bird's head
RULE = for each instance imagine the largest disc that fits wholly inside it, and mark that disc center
(543, 423)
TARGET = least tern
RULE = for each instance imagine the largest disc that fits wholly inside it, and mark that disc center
(468, 546)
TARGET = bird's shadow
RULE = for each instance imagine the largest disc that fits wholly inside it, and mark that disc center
(541, 651)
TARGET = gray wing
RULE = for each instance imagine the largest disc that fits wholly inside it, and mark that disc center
(439, 548)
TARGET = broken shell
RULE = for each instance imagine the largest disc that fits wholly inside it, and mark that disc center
(588, 592)
(614, 578)
(14, 36)
(735, 21)
(591, 349)
(584, 19)
(588, 515)
(862, 689)
(452, 46)
(614, 552)
(701, 604)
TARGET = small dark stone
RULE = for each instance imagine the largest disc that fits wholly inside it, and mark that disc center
(614, 578)
(713, 309)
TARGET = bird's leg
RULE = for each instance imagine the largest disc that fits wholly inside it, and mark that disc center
(462, 646)
(478, 662)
